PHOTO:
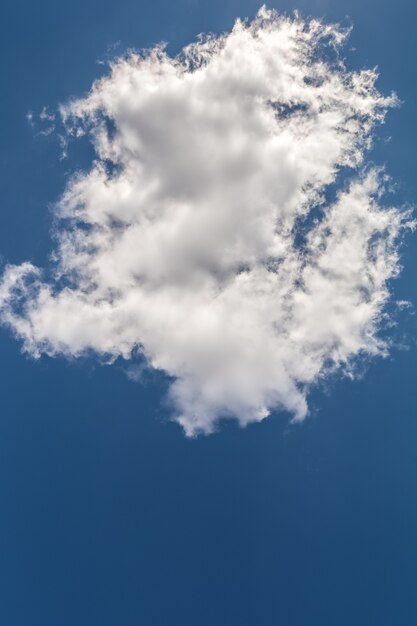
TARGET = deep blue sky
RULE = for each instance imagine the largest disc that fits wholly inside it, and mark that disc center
(109, 516)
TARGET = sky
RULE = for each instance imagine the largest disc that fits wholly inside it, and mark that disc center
(113, 513)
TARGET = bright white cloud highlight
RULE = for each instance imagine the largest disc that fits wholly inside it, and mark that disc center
(202, 235)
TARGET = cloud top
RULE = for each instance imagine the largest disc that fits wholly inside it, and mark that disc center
(210, 234)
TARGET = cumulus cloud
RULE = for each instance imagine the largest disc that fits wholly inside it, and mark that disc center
(211, 234)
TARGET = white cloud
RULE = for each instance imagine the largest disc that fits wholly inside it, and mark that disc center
(202, 235)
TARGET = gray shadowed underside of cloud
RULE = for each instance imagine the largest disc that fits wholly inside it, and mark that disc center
(202, 236)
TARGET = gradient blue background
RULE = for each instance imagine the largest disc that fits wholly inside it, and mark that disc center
(108, 515)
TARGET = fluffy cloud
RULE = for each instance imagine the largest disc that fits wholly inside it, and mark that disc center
(210, 233)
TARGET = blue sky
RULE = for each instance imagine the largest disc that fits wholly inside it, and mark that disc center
(109, 514)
